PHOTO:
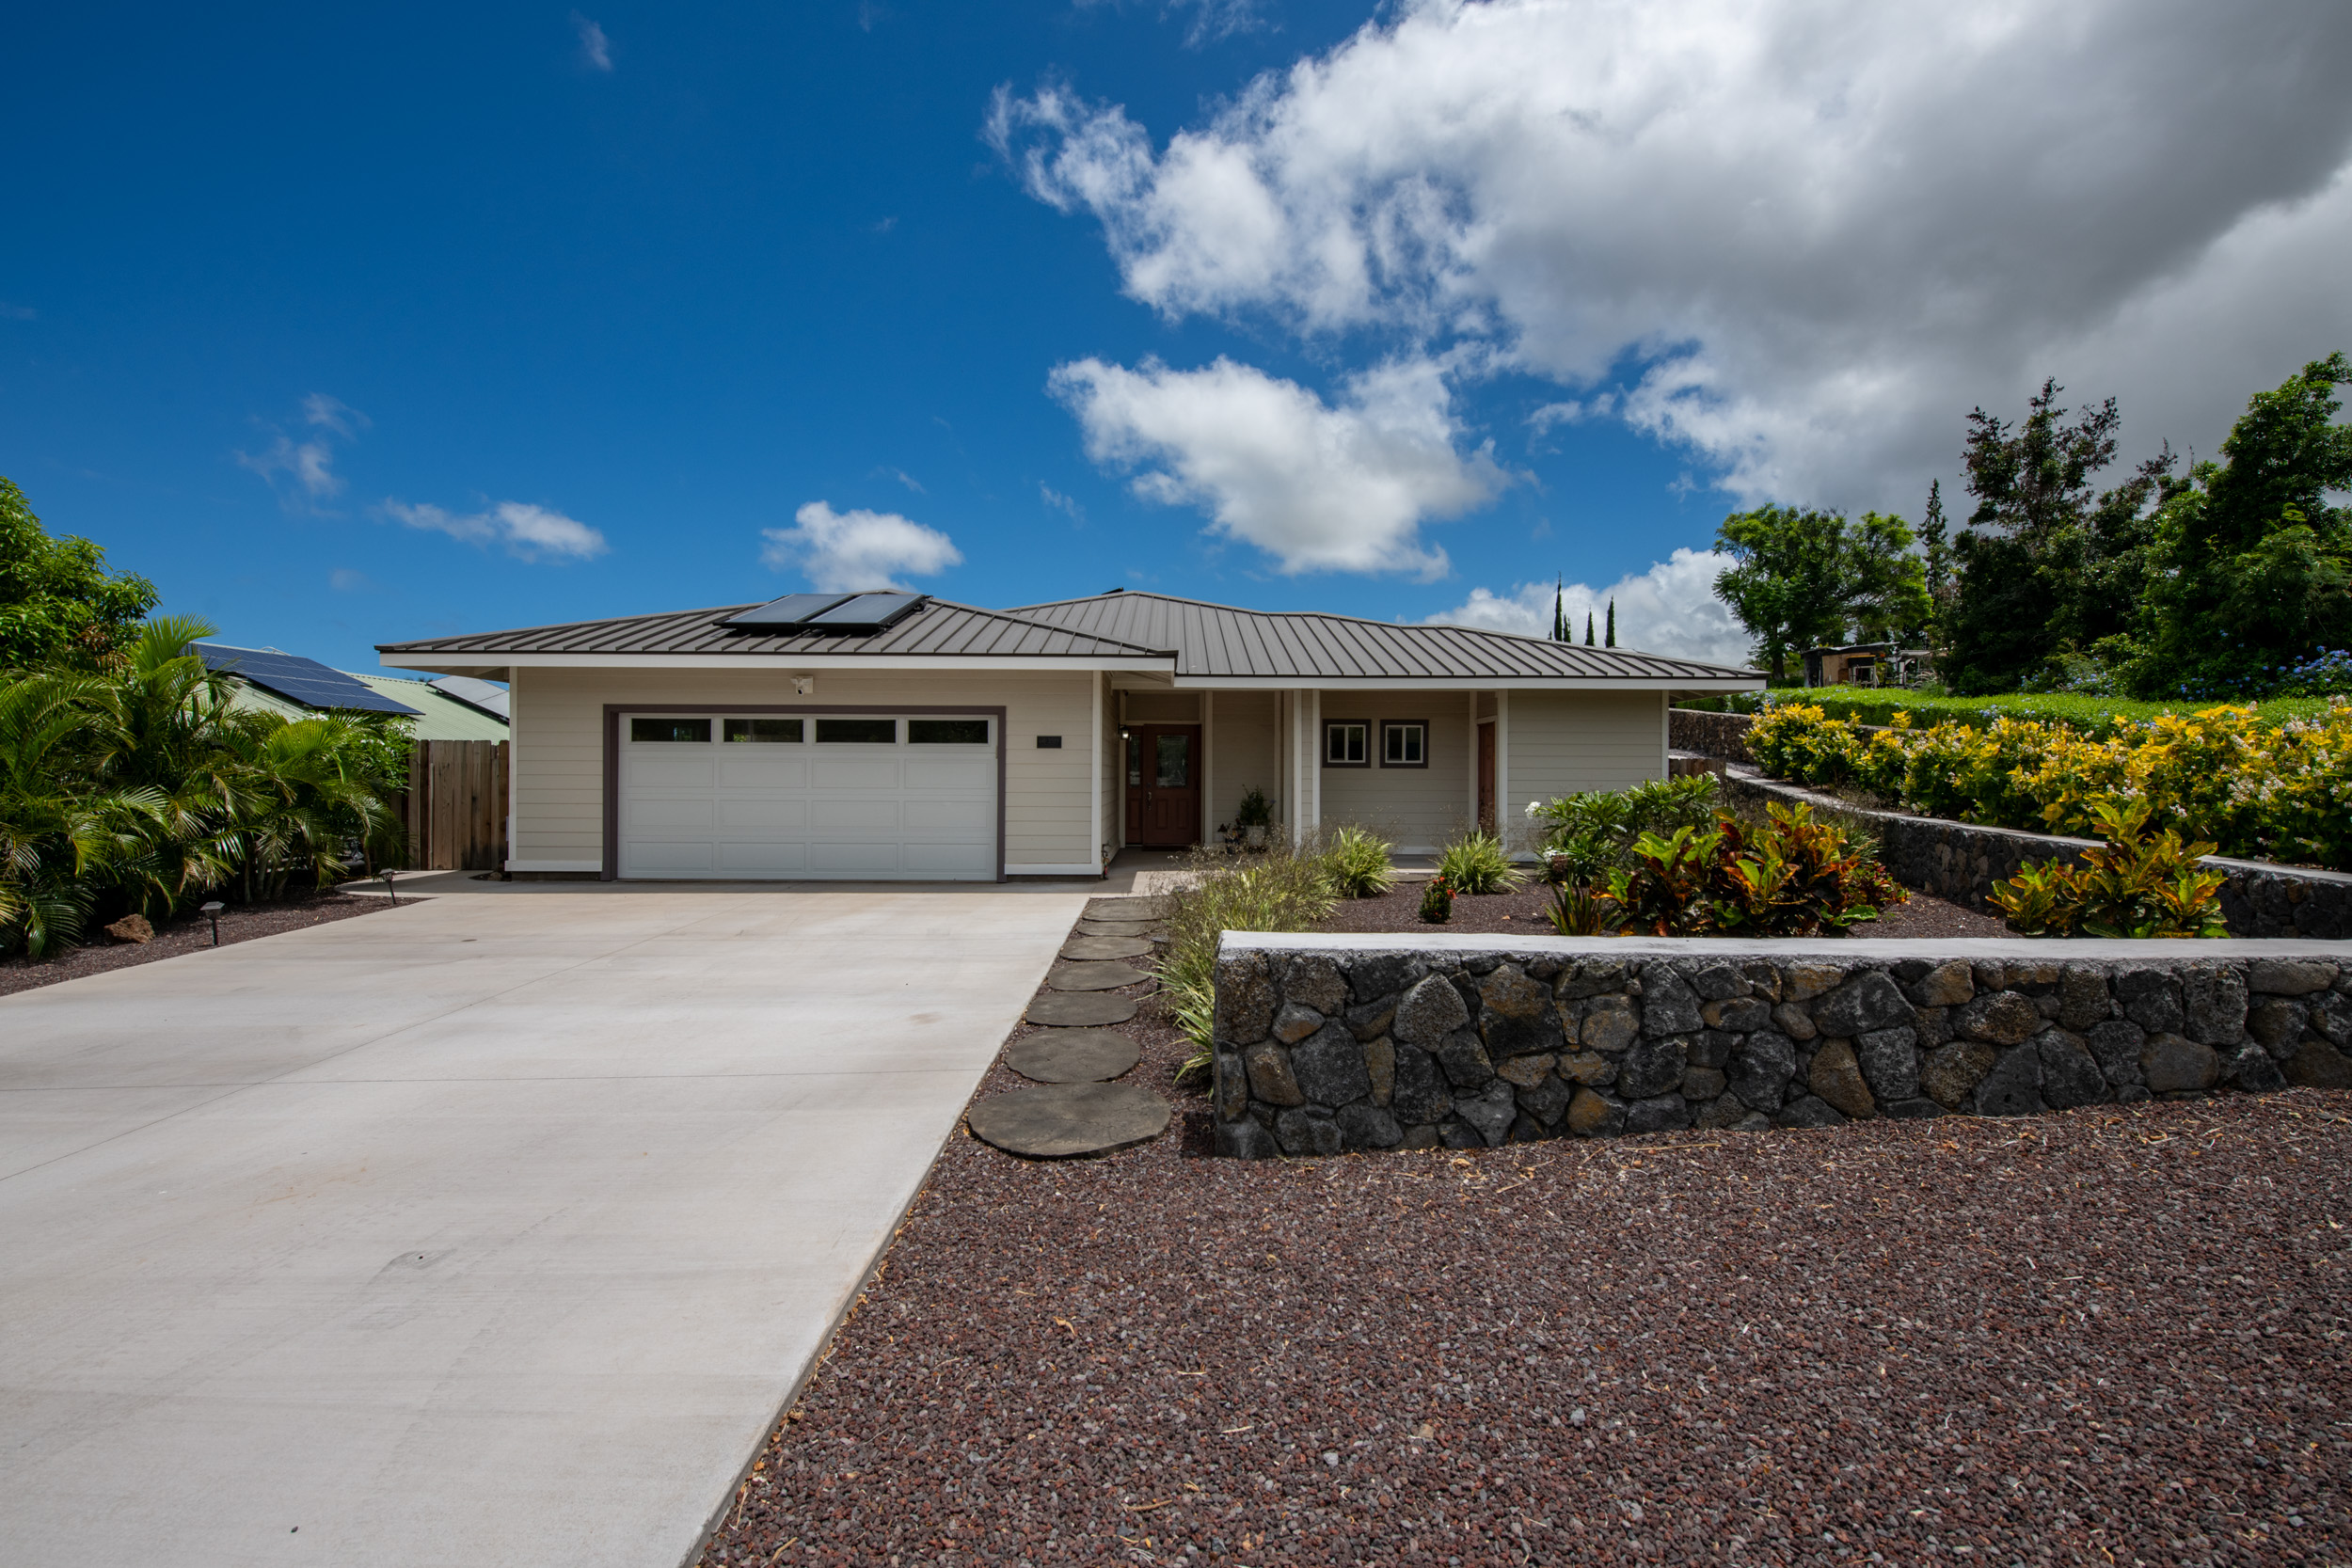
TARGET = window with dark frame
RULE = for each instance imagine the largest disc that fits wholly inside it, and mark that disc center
(857, 732)
(946, 732)
(1404, 743)
(1346, 743)
(771, 731)
(678, 731)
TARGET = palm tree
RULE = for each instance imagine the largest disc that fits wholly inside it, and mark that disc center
(59, 839)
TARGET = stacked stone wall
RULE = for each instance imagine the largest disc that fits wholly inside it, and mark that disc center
(1329, 1044)
(1710, 734)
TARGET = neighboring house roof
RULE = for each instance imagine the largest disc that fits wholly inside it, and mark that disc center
(490, 699)
(440, 715)
(1193, 643)
(297, 688)
(1214, 639)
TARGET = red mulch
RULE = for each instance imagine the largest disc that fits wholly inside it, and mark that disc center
(2114, 1334)
(238, 922)
(1399, 910)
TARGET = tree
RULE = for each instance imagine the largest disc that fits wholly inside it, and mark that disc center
(2252, 567)
(2046, 564)
(60, 608)
(1938, 568)
(1801, 577)
(1611, 636)
(1588, 628)
(1560, 632)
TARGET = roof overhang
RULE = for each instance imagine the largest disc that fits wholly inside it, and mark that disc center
(1468, 682)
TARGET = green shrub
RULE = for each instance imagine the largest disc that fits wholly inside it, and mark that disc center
(1790, 876)
(1278, 891)
(2097, 716)
(1357, 861)
(1436, 901)
(1476, 863)
(2136, 885)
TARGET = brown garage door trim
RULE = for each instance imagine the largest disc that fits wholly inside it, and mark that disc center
(612, 712)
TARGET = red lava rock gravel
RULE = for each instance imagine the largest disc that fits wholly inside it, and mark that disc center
(238, 922)
(2115, 1335)
(1399, 910)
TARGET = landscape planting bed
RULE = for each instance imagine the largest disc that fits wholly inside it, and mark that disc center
(2117, 1334)
(1920, 915)
(190, 934)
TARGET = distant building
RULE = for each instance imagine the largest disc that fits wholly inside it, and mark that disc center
(453, 707)
(1869, 664)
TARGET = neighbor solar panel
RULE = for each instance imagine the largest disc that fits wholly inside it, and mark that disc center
(490, 698)
(297, 679)
(794, 609)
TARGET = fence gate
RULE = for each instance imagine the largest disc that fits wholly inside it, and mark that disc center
(457, 805)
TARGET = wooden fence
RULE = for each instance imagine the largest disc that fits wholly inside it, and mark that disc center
(457, 810)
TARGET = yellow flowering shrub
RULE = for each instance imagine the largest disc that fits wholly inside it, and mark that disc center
(2279, 792)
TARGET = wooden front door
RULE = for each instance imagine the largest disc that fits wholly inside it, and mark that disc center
(1486, 778)
(1163, 785)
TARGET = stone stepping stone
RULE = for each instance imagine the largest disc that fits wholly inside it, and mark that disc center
(1084, 949)
(1073, 1057)
(1066, 1009)
(1118, 929)
(1126, 909)
(1094, 976)
(1070, 1119)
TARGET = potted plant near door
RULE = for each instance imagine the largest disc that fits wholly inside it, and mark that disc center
(1253, 816)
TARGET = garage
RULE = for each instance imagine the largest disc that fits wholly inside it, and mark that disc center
(832, 796)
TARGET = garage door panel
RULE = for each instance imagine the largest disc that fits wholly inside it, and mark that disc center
(854, 860)
(862, 818)
(738, 771)
(762, 860)
(688, 766)
(669, 810)
(658, 857)
(855, 773)
(785, 811)
(949, 860)
(956, 818)
(950, 773)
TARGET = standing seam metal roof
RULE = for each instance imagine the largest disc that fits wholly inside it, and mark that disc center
(1205, 642)
(1218, 640)
(939, 627)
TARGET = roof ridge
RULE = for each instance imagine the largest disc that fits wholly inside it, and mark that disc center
(928, 600)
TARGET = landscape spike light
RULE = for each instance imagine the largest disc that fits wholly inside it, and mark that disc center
(212, 912)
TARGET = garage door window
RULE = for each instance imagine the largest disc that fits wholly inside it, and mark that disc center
(857, 732)
(687, 730)
(946, 732)
(769, 731)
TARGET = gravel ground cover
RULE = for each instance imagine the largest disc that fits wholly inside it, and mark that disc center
(2117, 1335)
(1399, 910)
(238, 922)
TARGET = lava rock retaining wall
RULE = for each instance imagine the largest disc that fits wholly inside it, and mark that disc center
(1713, 735)
(1329, 1043)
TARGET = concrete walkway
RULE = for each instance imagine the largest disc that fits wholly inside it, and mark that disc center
(488, 1231)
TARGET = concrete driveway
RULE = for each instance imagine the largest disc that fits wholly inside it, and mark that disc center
(486, 1230)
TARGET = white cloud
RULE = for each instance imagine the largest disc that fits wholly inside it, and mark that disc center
(1319, 487)
(846, 552)
(526, 531)
(346, 579)
(1211, 20)
(308, 465)
(596, 50)
(1060, 502)
(1671, 609)
(908, 480)
(1818, 231)
(334, 414)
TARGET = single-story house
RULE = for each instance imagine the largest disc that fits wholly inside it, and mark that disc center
(893, 736)
(293, 686)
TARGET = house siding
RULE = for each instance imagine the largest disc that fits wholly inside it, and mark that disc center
(558, 737)
(1417, 809)
(1245, 750)
(1562, 742)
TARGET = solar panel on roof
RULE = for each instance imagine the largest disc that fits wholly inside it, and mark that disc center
(868, 609)
(794, 609)
(481, 694)
(297, 679)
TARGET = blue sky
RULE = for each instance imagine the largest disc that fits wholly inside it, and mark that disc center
(346, 326)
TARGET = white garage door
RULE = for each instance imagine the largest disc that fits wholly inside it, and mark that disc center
(833, 796)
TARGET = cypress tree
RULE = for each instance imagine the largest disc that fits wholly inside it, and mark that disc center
(1612, 623)
(1588, 628)
(1559, 614)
